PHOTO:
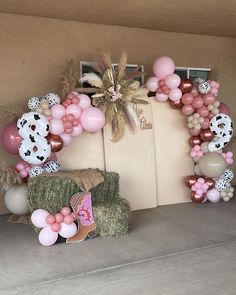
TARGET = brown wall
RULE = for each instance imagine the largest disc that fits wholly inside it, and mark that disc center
(33, 52)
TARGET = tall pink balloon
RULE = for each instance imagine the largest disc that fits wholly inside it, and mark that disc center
(163, 66)
(10, 139)
(92, 119)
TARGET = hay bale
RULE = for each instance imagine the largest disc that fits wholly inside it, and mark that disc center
(112, 219)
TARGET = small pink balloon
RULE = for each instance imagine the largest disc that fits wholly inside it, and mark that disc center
(209, 98)
(161, 97)
(68, 230)
(56, 227)
(73, 109)
(194, 91)
(206, 123)
(59, 217)
(70, 117)
(56, 127)
(50, 219)
(187, 110)
(213, 195)
(10, 139)
(210, 116)
(163, 66)
(77, 130)
(68, 130)
(58, 111)
(198, 102)
(92, 119)
(199, 192)
(68, 219)
(23, 173)
(20, 166)
(66, 138)
(68, 124)
(65, 211)
(187, 99)
(223, 108)
(152, 84)
(175, 94)
(47, 237)
(194, 131)
(84, 101)
(172, 81)
(203, 112)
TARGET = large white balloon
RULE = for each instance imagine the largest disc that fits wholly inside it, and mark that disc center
(16, 199)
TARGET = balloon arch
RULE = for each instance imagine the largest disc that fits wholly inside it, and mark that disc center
(210, 128)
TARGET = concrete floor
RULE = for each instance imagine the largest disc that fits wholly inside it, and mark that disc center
(179, 249)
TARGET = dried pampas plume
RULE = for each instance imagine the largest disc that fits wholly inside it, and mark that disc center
(8, 177)
(69, 79)
(92, 79)
(9, 114)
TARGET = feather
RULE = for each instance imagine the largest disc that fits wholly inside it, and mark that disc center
(135, 73)
(122, 65)
(93, 79)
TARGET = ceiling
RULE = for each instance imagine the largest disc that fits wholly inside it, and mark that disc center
(208, 17)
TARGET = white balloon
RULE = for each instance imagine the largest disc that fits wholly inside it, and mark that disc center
(38, 218)
(68, 230)
(16, 199)
(47, 237)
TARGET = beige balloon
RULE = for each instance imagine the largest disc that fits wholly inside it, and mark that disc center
(212, 164)
(16, 199)
(204, 147)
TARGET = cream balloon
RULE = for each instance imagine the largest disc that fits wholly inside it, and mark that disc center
(16, 199)
(212, 164)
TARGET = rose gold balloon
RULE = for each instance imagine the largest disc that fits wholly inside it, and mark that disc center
(206, 135)
(176, 104)
(210, 182)
(186, 85)
(194, 140)
(56, 142)
(190, 180)
(196, 198)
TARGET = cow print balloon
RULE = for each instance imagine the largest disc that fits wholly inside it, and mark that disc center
(52, 99)
(228, 175)
(52, 166)
(204, 87)
(221, 184)
(198, 81)
(33, 103)
(35, 171)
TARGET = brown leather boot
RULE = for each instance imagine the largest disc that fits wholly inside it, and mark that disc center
(81, 204)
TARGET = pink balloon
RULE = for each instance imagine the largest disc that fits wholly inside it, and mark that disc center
(50, 219)
(172, 81)
(58, 111)
(175, 94)
(23, 173)
(92, 119)
(161, 97)
(73, 109)
(56, 227)
(56, 127)
(77, 130)
(187, 98)
(68, 219)
(59, 217)
(68, 230)
(213, 195)
(209, 98)
(194, 131)
(39, 217)
(198, 102)
(206, 123)
(47, 237)
(152, 84)
(194, 91)
(187, 110)
(66, 138)
(65, 211)
(84, 101)
(163, 66)
(223, 108)
(10, 139)
(203, 112)
(53, 157)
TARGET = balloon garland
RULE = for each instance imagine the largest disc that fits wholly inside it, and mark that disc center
(210, 127)
(47, 128)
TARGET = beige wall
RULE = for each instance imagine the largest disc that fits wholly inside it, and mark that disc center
(33, 52)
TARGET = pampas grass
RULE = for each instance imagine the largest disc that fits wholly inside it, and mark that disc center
(8, 177)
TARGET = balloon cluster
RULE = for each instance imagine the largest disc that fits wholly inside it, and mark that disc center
(210, 127)
(53, 225)
(46, 128)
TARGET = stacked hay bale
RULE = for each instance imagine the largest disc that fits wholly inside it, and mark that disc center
(111, 213)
